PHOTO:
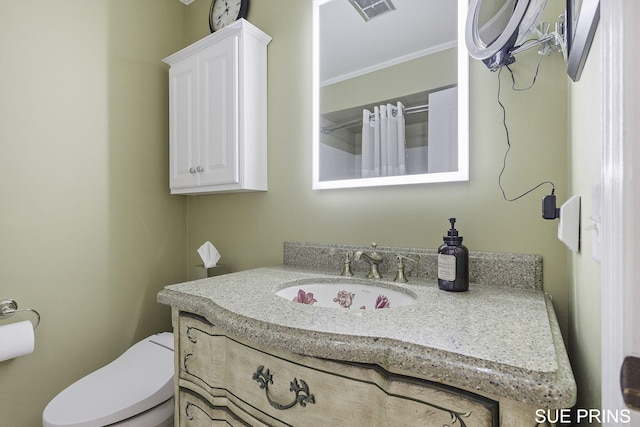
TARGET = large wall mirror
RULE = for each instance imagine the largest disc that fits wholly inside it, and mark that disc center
(391, 89)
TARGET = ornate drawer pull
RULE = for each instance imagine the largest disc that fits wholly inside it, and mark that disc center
(190, 415)
(301, 390)
(191, 336)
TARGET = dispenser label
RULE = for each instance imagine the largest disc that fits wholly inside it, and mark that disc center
(447, 267)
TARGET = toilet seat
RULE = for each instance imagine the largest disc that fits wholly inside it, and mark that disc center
(137, 381)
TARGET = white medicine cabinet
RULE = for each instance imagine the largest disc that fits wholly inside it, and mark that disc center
(218, 112)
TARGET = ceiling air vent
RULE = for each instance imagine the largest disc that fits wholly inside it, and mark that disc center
(369, 9)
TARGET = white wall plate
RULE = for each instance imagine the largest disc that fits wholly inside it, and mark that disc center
(569, 226)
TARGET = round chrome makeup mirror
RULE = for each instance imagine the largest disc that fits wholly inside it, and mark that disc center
(495, 27)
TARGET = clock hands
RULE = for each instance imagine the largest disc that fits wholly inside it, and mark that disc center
(223, 12)
(226, 10)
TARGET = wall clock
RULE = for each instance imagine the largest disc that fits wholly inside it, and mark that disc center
(224, 12)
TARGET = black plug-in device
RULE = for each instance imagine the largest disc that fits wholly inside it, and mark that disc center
(549, 210)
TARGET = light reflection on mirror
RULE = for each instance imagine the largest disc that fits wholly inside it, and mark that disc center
(400, 61)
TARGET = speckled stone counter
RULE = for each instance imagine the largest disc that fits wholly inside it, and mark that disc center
(494, 339)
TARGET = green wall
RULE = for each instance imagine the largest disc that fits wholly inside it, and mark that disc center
(88, 231)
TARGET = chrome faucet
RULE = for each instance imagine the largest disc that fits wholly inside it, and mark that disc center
(374, 260)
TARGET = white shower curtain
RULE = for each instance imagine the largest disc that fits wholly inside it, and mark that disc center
(383, 141)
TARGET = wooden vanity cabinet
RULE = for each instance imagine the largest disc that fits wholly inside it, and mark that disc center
(222, 380)
(218, 112)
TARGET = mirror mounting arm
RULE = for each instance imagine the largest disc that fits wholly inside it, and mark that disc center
(548, 41)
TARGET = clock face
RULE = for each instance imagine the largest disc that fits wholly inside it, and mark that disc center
(224, 12)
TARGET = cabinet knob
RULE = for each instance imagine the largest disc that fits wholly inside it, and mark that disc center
(192, 170)
(199, 169)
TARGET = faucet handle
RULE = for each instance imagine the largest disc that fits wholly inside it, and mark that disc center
(400, 276)
(346, 266)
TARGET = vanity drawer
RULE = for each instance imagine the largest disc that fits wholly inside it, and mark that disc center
(277, 387)
(201, 352)
(305, 392)
(197, 411)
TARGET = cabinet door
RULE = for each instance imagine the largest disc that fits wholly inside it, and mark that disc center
(183, 138)
(218, 66)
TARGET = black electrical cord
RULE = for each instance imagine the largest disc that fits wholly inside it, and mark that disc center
(506, 129)
(533, 82)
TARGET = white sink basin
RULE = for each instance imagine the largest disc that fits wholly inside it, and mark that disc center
(345, 294)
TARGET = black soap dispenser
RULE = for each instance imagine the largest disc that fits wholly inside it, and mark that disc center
(453, 262)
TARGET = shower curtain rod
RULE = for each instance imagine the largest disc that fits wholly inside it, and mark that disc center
(409, 110)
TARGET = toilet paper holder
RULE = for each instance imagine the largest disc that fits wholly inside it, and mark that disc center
(9, 307)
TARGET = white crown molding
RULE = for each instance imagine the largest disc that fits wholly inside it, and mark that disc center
(395, 61)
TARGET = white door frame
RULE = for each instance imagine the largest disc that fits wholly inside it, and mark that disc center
(620, 205)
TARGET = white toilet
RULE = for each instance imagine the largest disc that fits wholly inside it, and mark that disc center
(135, 390)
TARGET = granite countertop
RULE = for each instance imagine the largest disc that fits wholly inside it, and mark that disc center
(500, 340)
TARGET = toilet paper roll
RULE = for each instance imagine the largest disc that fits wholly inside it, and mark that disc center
(16, 339)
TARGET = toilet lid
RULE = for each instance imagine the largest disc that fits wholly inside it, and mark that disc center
(138, 380)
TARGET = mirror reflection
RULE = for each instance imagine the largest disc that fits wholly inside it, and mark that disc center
(493, 18)
(391, 95)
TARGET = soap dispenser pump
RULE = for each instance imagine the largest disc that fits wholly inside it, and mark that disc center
(453, 262)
